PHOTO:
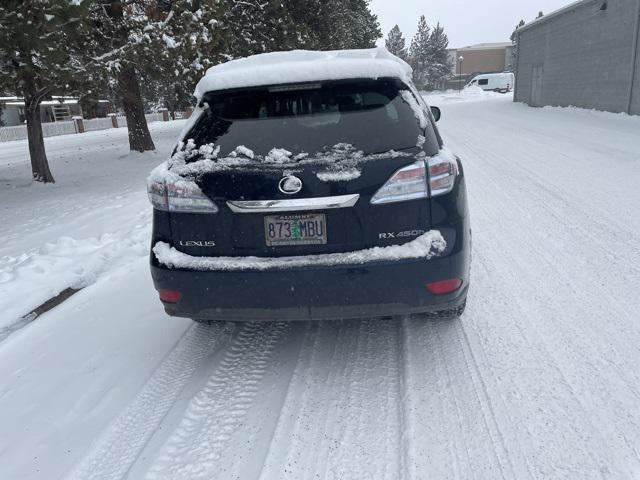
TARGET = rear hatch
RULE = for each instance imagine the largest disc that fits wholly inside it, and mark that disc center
(323, 149)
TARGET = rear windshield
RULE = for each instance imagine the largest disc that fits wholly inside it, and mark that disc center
(370, 115)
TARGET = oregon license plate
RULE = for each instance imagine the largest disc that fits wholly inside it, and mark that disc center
(303, 229)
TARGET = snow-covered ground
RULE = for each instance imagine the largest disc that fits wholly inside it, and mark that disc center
(94, 217)
(538, 379)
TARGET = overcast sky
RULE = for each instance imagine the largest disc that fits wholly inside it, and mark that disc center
(466, 22)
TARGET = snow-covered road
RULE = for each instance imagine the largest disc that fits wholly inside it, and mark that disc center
(538, 379)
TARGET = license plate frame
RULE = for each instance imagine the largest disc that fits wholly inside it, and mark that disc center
(295, 229)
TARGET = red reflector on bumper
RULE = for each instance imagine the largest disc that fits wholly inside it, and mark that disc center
(170, 296)
(444, 286)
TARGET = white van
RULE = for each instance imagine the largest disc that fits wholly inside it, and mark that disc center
(495, 82)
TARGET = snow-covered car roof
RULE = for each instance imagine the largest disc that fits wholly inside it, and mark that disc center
(298, 66)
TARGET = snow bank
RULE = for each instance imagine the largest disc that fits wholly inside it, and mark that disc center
(96, 216)
(474, 91)
(30, 279)
(426, 246)
(594, 112)
(468, 94)
(299, 66)
(68, 374)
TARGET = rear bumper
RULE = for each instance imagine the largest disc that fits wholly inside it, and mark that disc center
(319, 293)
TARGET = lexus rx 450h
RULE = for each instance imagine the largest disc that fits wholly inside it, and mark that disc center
(310, 185)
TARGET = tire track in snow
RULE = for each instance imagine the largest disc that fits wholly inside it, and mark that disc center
(428, 453)
(342, 416)
(118, 448)
(612, 351)
(546, 413)
(538, 323)
(406, 404)
(288, 452)
(454, 431)
(373, 388)
(219, 409)
(482, 396)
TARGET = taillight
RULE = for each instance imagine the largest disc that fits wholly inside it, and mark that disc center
(169, 296)
(410, 183)
(179, 195)
(157, 194)
(443, 169)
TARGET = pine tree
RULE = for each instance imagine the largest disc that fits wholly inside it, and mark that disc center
(396, 43)
(248, 27)
(192, 42)
(139, 39)
(420, 53)
(439, 66)
(337, 24)
(333, 25)
(118, 49)
(363, 29)
(306, 21)
(274, 25)
(39, 44)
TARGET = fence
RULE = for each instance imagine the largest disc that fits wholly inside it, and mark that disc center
(8, 134)
(52, 129)
(154, 117)
(97, 124)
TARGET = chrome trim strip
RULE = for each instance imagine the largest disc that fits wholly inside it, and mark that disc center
(293, 205)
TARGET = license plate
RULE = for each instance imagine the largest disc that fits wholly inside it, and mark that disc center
(304, 229)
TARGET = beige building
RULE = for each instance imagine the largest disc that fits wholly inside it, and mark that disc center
(480, 58)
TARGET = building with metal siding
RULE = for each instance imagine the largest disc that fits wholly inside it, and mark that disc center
(585, 55)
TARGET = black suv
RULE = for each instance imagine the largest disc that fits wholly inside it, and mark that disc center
(323, 199)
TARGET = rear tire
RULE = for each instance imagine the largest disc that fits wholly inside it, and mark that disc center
(449, 314)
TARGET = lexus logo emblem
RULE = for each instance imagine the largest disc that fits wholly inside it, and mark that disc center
(290, 185)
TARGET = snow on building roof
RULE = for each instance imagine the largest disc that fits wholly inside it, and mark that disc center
(300, 66)
(19, 101)
(566, 9)
(45, 103)
(486, 46)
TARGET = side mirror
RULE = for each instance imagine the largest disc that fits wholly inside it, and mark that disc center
(436, 113)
